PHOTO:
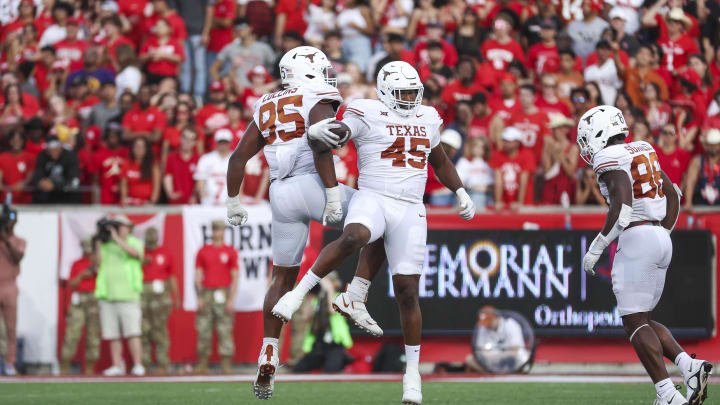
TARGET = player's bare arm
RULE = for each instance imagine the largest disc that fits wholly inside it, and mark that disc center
(251, 143)
(620, 190)
(446, 173)
(672, 198)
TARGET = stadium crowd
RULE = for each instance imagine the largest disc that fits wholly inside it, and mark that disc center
(139, 102)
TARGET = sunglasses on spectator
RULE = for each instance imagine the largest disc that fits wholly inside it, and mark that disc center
(550, 85)
(667, 132)
(578, 99)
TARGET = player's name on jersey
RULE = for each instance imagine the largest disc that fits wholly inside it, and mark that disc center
(281, 93)
(407, 130)
(642, 148)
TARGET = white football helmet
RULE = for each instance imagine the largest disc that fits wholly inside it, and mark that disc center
(395, 78)
(597, 126)
(305, 65)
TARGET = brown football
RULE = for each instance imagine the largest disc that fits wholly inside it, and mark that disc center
(343, 132)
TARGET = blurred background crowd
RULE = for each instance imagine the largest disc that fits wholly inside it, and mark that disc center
(140, 102)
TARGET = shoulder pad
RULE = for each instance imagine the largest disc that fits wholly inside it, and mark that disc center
(610, 158)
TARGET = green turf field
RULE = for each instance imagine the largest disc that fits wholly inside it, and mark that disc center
(354, 393)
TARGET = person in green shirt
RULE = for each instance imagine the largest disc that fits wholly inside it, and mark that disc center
(118, 287)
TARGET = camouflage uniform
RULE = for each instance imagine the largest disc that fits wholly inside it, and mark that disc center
(83, 312)
(156, 308)
(213, 315)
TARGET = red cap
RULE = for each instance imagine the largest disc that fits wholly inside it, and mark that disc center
(73, 21)
(551, 65)
(27, 2)
(217, 86)
(508, 77)
(597, 5)
(692, 76)
(259, 70)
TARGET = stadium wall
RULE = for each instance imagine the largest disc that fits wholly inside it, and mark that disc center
(43, 292)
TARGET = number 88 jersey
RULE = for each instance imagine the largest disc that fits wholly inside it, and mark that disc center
(393, 150)
(640, 162)
(282, 118)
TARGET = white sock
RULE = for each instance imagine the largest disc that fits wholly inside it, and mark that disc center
(683, 362)
(664, 387)
(358, 288)
(412, 358)
(307, 283)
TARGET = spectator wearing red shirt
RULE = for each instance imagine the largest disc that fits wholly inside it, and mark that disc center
(107, 164)
(507, 104)
(560, 162)
(485, 122)
(260, 83)
(26, 15)
(212, 115)
(14, 111)
(544, 54)
(140, 181)
(161, 11)
(134, 12)
(82, 99)
(436, 66)
(461, 89)
(514, 167)
(16, 169)
(72, 48)
(435, 33)
(236, 123)
(549, 102)
(179, 170)
(144, 119)
(673, 160)
(162, 53)
(530, 121)
(114, 38)
(677, 46)
(160, 295)
(289, 16)
(502, 49)
(220, 30)
(182, 120)
(82, 313)
(216, 273)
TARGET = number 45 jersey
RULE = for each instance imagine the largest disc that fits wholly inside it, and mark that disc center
(393, 150)
(282, 118)
(640, 162)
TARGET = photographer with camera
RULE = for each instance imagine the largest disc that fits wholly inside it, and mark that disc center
(118, 287)
(12, 250)
(83, 312)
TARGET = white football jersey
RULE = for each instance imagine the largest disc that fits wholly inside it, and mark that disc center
(283, 118)
(640, 162)
(212, 168)
(393, 150)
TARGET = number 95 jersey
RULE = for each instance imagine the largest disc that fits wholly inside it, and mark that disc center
(393, 150)
(640, 162)
(282, 118)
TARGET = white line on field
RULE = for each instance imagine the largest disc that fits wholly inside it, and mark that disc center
(345, 378)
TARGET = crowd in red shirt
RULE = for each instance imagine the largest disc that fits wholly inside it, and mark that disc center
(116, 82)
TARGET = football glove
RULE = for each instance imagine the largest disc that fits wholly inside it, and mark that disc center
(467, 207)
(236, 214)
(597, 247)
(321, 131)
(333, 213)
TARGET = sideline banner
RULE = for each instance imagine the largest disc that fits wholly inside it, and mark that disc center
(252, 241)
(539, 275)
(38, 284)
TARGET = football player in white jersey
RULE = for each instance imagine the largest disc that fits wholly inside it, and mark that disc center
(303, 185)
(644, 205)
(396, 137)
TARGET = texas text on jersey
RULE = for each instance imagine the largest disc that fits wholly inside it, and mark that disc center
(640, 162)
(282, 118)
(393, 150)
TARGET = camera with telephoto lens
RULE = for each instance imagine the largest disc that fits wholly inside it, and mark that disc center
(7, 215)
(103, 229)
